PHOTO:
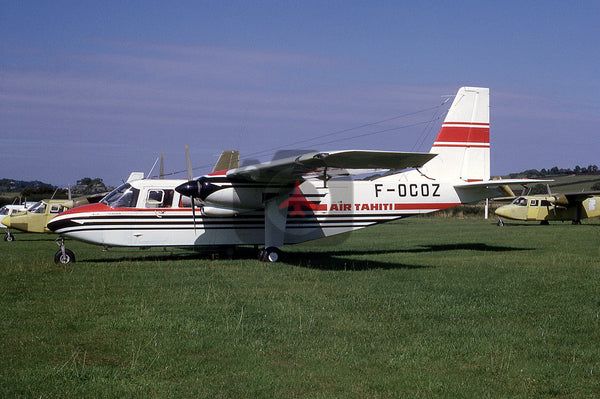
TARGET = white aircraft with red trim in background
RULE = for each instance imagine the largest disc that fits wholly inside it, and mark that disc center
(296, 199)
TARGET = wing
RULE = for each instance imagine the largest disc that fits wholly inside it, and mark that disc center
(580, 196)
(339, 163)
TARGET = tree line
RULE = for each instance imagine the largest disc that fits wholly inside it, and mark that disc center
(556, 171)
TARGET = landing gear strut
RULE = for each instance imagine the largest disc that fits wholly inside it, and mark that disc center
(9, 237)
(271, 254)
(64, 255)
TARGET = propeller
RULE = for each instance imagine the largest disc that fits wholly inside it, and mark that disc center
(189, 188)
(551, 198)
(557, 200)
(161, 171)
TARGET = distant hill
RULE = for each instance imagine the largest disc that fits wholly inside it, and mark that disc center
(13, 186)
(11, 190)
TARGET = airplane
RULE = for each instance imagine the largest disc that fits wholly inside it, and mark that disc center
(296, 199)
(546, 207)
(8, 210)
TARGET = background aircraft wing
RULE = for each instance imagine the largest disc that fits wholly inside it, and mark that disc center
(580, 196)
(338, 163)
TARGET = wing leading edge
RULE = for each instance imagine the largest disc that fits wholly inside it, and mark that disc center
(333, 164)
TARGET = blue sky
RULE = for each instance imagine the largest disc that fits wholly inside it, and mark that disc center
(99, 89)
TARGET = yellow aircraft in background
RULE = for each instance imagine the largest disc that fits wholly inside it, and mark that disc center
(36, 218)
(547, 207)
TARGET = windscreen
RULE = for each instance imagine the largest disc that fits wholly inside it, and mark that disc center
(124, 196)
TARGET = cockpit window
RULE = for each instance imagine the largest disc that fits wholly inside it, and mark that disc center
(40, 207)
(4, 211)
(124, 196)
(520, 201)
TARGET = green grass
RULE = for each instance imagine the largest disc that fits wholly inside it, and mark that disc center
(422, 308)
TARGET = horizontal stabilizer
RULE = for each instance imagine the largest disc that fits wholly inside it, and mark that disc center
(475, 191)
(501, 182)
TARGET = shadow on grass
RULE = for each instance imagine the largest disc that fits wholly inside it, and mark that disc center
(477, 246)
(153, 257)
(22, 238)
(338, 260)
(322, 259)
(343, 261)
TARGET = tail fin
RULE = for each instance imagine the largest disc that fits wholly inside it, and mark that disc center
(463, 143)
(227, 160)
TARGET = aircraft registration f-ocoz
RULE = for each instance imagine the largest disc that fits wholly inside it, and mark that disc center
(296, 199)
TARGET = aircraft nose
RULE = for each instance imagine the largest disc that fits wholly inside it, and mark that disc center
(6, 221)
(502, 211)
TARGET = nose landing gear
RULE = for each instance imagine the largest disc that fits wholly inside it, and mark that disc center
(63, 256)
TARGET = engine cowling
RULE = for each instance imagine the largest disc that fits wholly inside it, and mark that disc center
(222, 195)
(560, 200)
(216, 211)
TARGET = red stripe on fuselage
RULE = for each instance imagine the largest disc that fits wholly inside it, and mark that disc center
(432, 205)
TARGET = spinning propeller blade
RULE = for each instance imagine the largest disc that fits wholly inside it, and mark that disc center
(191, 192)
(161, 172)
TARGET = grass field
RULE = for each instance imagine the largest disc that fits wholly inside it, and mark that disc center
(421, 308)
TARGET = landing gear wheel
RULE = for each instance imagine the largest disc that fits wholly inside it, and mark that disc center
(500, 222)
(65, 258)
(9, 237)
(270, 254)
(229, 252)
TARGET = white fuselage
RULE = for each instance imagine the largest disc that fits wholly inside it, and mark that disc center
(314, 211)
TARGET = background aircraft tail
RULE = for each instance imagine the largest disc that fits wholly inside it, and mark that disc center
(463, 143)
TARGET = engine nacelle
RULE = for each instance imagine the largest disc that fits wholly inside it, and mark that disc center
(235, 197)
(560, 200)
(216, 211)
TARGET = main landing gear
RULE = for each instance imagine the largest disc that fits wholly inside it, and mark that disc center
(64, 255)
(271, 254)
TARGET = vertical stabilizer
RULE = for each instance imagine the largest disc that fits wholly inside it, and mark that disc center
(227, 160)
(463, 143)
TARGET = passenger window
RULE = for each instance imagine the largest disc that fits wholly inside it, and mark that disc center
(533, 203)
(56, 208)
(159, 199)
(155, 198)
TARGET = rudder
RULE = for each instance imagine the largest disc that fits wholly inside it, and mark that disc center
(463, 143)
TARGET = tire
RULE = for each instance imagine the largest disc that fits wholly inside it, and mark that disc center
(270, 255)
(9, 238)
(68, 257)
